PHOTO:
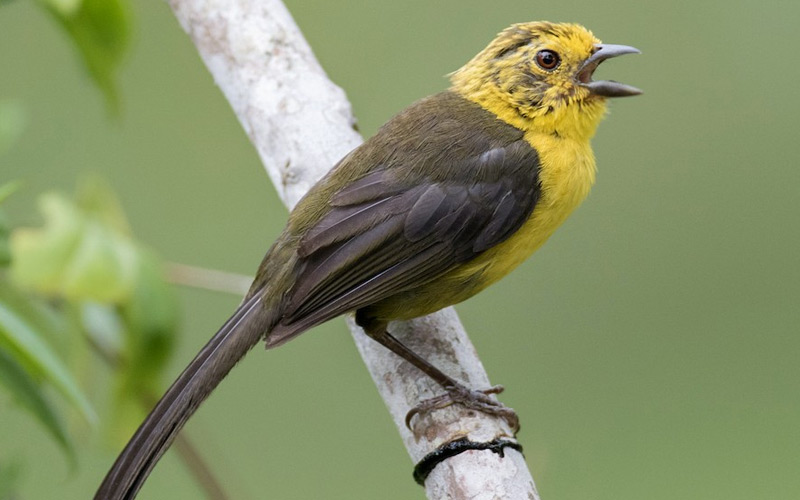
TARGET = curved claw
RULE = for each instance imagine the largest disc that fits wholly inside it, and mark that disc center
(478, 400)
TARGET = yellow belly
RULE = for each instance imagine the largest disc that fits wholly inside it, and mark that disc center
(566, 174)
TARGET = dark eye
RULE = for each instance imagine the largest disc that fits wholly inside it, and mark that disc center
(547, 59)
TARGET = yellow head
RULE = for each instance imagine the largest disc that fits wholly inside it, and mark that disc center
(537, 77)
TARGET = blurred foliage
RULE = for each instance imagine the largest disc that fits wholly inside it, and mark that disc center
(27, 393)
(82, 274)
(26, 361)
(81, 253)
(25, 346)
(150, 318)
(100, 30)
(80, 278)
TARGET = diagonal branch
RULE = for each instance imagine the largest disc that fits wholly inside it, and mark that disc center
(301, 124)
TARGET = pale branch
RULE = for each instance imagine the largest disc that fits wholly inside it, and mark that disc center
(301, 124)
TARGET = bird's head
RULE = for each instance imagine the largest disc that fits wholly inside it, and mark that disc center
(538, 76)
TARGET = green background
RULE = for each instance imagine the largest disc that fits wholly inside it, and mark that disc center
(651, 347)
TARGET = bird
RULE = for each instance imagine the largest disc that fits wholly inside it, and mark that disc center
(449, 196)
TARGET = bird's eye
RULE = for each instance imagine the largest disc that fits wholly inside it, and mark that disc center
(547, 59)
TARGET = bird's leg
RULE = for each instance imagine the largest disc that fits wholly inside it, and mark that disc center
(455, 391)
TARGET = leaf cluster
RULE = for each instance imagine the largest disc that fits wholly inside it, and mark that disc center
(80, 296)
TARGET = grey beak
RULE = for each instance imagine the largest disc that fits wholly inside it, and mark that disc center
(605, 88)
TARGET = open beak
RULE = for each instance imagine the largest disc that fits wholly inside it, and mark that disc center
(605, 88)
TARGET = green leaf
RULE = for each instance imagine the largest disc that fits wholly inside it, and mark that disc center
(75, 255)
(40, 315)
(100, 29)
(151, 317)
(25, 344)
(103, 266)
(151, 321)
(105, 329)
(84, 253)
(28, 394)
(13, 120)
(44, 253)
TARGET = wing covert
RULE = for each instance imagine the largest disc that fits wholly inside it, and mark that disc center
(440, 183)
(384, 235)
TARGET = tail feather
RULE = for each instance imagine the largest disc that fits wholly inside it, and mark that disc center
(237, 336)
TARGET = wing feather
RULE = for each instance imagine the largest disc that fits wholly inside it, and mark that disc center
(397, 228)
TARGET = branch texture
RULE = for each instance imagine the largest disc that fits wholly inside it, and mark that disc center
(301, 124)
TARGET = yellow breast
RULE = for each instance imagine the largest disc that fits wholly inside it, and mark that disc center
(566, 174)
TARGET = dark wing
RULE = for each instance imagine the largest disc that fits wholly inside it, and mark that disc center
(385, 234)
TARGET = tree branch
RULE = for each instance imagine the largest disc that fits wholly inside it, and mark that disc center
(301, 124)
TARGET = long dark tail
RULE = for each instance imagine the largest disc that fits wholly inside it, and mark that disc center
(237, 336)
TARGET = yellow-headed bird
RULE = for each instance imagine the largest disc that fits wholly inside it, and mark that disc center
(447, 198)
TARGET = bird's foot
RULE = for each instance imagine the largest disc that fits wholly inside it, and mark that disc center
(478, 400)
